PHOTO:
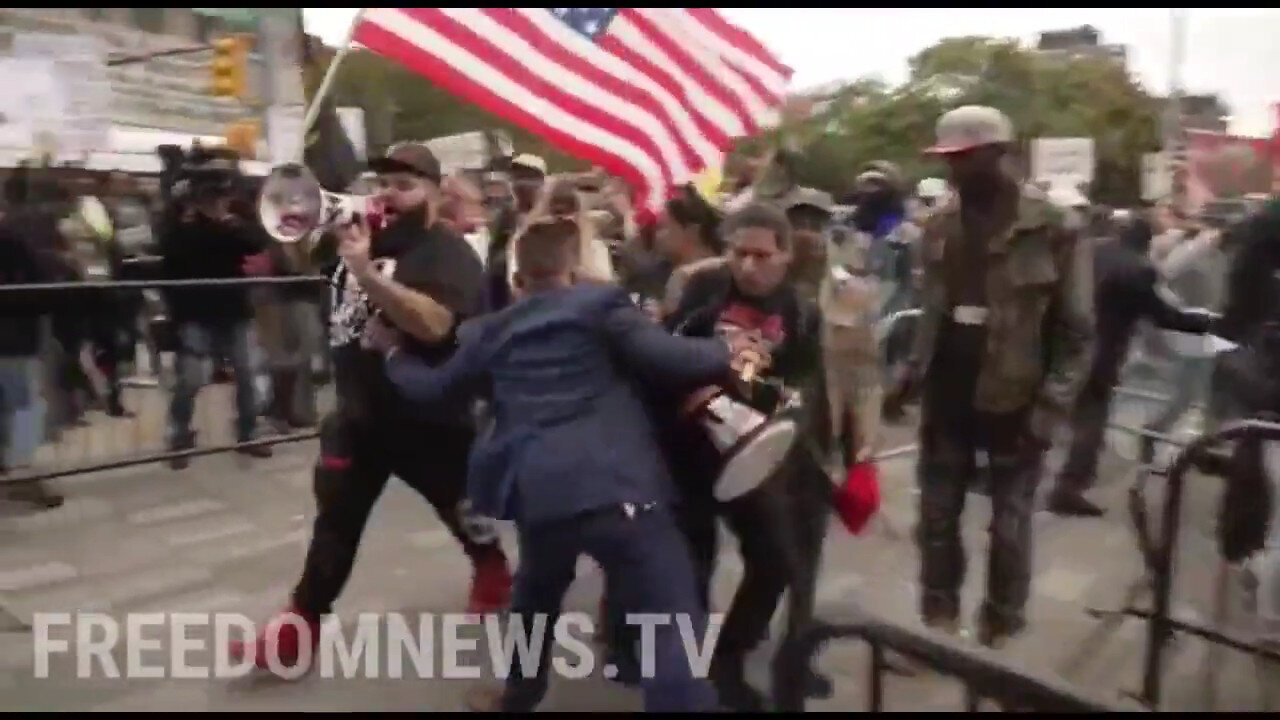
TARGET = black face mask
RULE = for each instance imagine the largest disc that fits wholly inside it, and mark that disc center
(872, 206)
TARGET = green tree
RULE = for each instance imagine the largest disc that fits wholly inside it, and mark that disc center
(1044, 96)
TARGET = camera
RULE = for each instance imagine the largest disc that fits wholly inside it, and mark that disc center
(198, 173)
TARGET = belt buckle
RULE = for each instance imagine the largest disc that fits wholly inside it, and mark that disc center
(969, 315)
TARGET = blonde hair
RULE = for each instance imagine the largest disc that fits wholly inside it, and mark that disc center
(559, 197)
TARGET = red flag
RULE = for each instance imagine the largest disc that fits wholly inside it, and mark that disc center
(652, 95)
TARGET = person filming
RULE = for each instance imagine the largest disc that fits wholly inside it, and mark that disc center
(201, 239)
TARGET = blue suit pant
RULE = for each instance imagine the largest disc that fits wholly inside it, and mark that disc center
(648, 569)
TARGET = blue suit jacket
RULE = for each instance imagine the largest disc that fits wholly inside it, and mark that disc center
(571, 432)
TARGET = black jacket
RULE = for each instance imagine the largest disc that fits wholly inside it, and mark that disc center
(199, 249)
(26, 239)
(1124, 293)
(1253, 286)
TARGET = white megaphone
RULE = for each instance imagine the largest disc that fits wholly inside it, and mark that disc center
(753, 442)
(292, 205)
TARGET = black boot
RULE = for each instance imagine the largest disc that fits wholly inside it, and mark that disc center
(33, 493)
(278, 410)
(729, 678)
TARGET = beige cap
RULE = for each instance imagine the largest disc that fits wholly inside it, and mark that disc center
(810, 197)
(531, 161)
(969, 127)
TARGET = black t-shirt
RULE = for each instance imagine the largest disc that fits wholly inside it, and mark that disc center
(435, 262)
(644, 274)
(786, 322)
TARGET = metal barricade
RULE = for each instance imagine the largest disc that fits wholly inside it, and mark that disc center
(1159, 550)
(79, 440)
(984, 674)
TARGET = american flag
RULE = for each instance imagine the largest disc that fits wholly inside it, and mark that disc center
(651, 95)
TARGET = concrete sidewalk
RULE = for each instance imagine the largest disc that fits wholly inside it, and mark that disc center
(229, 534)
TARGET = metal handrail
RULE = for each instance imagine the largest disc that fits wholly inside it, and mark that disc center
(20, 288)
(984, 673)
(159, 457)
(1160, 625)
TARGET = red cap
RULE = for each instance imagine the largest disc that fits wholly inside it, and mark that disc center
(858, 499)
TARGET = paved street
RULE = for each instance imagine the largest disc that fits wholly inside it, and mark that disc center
(229, 535)
(106, 439)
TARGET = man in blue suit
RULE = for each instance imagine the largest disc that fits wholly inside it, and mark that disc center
(573, 458)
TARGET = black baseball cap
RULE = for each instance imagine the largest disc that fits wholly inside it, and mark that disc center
(413, 158)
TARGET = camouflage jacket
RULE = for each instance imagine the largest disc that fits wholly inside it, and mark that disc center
(1040, 314)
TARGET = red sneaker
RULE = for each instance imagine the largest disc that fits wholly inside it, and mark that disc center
(281, 641)
(490, 585)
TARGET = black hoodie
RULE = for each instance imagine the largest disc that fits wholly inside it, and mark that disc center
(1124, 293)
(26, 237)
(199, 249)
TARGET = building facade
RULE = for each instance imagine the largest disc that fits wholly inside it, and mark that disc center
(1080, 42)
(167, 99)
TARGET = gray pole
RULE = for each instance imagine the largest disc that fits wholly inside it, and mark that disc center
(267, 48)
(1175, 143)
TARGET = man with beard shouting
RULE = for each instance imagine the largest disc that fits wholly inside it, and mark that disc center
(420, 277)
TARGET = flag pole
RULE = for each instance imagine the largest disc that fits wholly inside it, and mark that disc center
(313, 108)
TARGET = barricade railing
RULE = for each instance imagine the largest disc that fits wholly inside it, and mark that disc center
(984, 674)
(1159, 551)
(121, 319)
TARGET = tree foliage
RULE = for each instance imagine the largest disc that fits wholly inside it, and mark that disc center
(1045, 96)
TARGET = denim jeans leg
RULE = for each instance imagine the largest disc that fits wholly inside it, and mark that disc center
(239, 349)
(193, 350)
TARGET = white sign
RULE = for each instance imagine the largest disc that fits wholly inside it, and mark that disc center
(284, 129)
(30, 102)
(464, 151)
(80, 76)
(1157, 176)
(1062, 162)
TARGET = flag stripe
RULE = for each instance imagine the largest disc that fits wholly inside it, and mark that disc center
(700, 139)
(654, 96)
(689, 64)
(475, 33)
(679, 26)
(460, 72)
(561, 46)
(735, 35)
(763, 81)
(629, 43)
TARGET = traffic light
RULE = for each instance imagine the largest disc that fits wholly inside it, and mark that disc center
(242, 137)
(230, 66)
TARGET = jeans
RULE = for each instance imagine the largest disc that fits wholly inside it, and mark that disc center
(197, 343)
(648, 569)
(945, 473)
(22, 410)
(1191, 378)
